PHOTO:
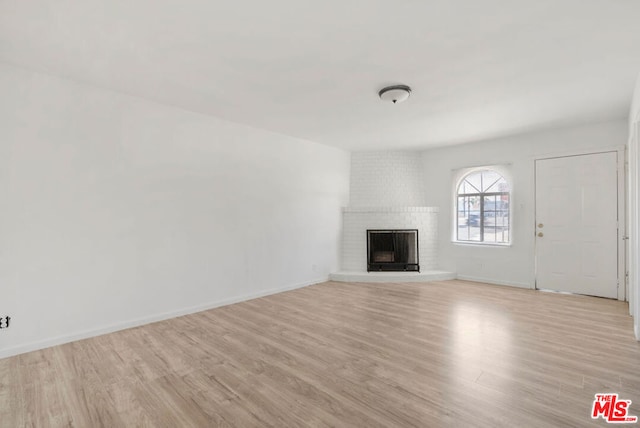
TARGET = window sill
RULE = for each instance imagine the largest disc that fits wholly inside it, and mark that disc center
(481, 244)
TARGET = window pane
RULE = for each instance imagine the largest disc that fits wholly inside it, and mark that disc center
(472, 183)
(468, 221)
(478, 211)
(490, 234)
(496, 218)
(493, 182)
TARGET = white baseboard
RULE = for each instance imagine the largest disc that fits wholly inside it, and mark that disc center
(72, 337)
(495, 281)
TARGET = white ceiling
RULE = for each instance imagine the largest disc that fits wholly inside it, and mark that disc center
(478, 68)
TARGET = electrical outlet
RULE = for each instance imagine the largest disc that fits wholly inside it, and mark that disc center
(4, 321)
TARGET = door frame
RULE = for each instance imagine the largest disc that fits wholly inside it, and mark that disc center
(634, 223)
(621, 152)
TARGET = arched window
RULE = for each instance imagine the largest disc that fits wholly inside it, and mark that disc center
(482, 208)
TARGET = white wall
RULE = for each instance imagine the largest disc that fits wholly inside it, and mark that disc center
(116, 211)
(387, 179)
(513, 265)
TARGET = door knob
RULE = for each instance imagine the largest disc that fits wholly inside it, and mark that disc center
(540, 234)
(540, 225)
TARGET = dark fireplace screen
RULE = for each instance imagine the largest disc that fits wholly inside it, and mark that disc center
(392, 250)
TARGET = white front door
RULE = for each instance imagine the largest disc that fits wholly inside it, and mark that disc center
(577, 224)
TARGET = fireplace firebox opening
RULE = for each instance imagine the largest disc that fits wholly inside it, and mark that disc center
(392, 250)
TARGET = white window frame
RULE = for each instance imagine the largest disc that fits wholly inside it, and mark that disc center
(459, 176)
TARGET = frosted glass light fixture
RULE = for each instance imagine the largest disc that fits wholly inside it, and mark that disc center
(396, 93)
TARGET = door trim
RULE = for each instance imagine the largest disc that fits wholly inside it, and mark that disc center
(621, 217)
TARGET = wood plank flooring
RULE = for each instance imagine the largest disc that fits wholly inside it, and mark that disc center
(438, 354)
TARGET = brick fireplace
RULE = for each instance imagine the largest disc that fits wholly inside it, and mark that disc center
(357, 220)
(387, 193)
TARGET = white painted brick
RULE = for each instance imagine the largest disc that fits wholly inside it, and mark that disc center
(358, 220)
(387, 179)
(387, 192)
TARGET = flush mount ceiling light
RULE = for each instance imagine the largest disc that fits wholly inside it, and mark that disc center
(396, 93)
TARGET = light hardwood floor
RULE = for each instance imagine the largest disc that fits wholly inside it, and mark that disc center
(449, 353)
